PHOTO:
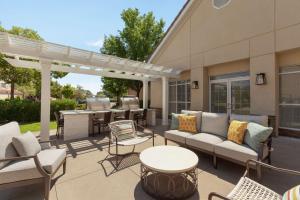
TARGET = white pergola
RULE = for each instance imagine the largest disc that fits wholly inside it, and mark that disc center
(47, 57)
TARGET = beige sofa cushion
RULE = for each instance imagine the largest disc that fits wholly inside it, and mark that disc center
(177, 136)
(7, 132)
(198, 115)
(18, 171)
(215, 123)
(259, 119)
(235, 151)
(26, 144)
(204, 141)
(51, 159)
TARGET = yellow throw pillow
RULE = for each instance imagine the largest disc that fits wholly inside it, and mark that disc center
(187, 123)
(236, 131)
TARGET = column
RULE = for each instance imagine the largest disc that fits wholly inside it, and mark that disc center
(45, 100)
(165, 100)
(145, 93)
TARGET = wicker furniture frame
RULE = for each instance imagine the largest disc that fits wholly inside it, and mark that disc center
(247, 189)
(46, 177)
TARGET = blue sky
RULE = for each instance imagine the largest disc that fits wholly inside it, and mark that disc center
(80, 23)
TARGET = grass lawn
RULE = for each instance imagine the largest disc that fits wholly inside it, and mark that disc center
(35, 126)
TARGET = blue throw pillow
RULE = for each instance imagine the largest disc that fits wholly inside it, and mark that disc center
(256, 134)
(175, 121)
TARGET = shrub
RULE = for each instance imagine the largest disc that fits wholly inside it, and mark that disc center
(29, 111)
(62, 104)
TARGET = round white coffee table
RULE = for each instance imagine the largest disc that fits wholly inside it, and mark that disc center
(169, 172)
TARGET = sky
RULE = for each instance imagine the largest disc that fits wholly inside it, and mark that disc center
(79, 23)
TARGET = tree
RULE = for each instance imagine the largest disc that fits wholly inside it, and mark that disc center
(68, 91)
(56, 90)
(140, 35)
(114, 87)
(13, 76)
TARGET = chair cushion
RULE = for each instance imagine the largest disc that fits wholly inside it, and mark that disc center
(177, 136)
(134, 106)
(204, 141)
(292, 194)
(26, 144)
(256, 134)
(198, 115)
(19, 170)
(235, 151)
(215, 123)
(236, 131)
(175, 121)
(260, 119)
(187, 124)
(51, 159)
(7, 132)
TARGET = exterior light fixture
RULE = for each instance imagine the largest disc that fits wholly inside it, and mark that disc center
(260, 79)
(195, 85)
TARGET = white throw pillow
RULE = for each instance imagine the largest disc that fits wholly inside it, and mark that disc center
(26, 144)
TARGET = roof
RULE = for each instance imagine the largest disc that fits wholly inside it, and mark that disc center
(24, 52)
(171, 28)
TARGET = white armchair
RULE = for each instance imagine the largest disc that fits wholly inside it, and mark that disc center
(16, 170)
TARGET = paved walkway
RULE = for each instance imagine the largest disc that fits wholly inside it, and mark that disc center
(91, 175)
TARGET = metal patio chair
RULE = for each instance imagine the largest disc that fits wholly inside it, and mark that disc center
(247, 188)
(125, 133)
(141, 118)
(60, 124)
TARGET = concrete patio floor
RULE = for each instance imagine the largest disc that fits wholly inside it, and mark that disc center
(92, 175)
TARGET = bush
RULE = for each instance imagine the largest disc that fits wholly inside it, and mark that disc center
(62, 104)
(29, 111)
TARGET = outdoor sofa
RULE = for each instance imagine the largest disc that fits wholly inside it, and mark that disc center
(17, 170)
(212, 138)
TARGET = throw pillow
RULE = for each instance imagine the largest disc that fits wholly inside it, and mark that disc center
(236, 131)
(187, 123)
(26, 144)
(175, 121)
(256, 134)
(292, 194)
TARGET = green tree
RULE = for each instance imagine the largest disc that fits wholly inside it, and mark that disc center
(13, 76)
(140, 35)
(56, 90)
(114, 87)
(68, 92)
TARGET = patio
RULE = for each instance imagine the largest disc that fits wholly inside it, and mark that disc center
(91, 175)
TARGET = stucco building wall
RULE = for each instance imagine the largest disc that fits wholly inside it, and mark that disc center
(255, 36)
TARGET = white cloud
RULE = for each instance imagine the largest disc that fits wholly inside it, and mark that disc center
(96, 43)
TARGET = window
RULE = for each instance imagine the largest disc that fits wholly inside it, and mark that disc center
(179, 96)
(289, 107)
(218, 4)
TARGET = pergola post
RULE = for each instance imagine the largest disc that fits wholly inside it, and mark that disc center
(165, 100)
(145, 93)
(45, 100)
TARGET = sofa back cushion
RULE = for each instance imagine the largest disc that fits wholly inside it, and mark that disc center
(26, 144)
(215, 123)
(259, 119)
(197, 114)
(7, 150)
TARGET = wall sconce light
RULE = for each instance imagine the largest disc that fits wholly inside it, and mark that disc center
(195, 85)
(260, 79)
